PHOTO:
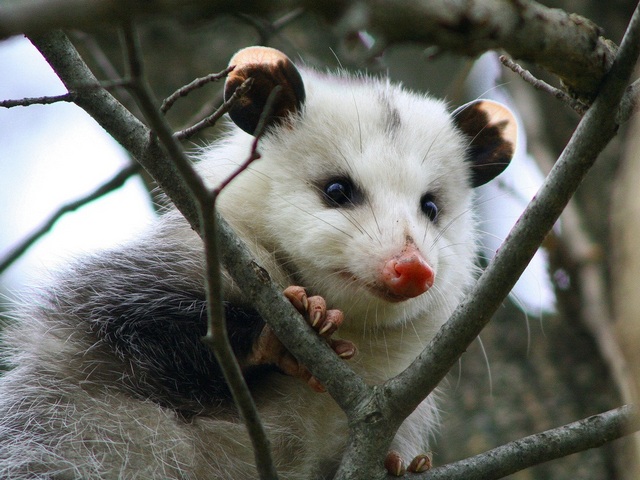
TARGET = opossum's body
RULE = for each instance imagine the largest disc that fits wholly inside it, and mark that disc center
(110, 379)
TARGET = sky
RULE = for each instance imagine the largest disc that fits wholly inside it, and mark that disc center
(51, 155)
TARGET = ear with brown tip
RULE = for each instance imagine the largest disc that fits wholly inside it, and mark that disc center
(268, 68)
(492, 132)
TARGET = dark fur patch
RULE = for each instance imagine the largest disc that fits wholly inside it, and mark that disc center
(489, 153)
(149, 325)
(392, 117)
(267, 72)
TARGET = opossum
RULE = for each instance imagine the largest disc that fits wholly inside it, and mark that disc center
(360, 208)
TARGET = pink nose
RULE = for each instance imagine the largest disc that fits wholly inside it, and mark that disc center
(408, 275)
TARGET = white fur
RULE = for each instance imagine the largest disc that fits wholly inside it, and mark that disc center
(344, 128)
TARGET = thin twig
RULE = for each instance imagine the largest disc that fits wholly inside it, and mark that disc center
(265, 29)
(69, 97)
(113, 77)
(25, 102)
(543, 86)
(194, 85)
(205, 201)
(215, 116)
(262, 123)
(116, 182)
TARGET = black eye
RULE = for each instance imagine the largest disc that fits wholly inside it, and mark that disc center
(339, 192)
(429, 207)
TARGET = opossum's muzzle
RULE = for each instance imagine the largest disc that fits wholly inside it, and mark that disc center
(407, 275)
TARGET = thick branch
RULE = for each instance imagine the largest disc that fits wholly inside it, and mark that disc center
(565, 44)
(343, 384)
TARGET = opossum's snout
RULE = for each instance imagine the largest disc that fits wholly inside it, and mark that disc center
(407, 275)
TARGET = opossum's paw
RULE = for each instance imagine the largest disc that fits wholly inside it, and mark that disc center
(323, 321)
(314, 309)
(394, 464)
(269, 350)
(420, 463)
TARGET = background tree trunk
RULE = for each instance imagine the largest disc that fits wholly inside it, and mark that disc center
(626, 262)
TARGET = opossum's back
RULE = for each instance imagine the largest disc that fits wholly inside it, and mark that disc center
(55, 429)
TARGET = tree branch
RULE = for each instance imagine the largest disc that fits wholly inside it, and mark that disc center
(195, 84)
(212, 119)
(575, 437)
(124, 127)
(25, 102)
(217, 337)
(541, 85)
(116, 182)
(567, 45)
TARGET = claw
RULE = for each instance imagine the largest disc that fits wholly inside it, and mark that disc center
(394, 464)
(317, 315)
(420, 463)
(343, 348)
(298, 298)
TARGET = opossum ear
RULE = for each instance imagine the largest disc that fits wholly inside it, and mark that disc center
(268, 68)
(492, 132)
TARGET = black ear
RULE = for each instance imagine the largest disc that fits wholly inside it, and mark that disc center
(268, 68)
(492, 132)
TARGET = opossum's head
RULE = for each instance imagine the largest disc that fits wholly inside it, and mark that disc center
(363, 191)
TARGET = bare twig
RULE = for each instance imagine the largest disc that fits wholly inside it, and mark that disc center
(190, 87)
(527, 76)
(107, 68)
(217, 337)
(266, 30)
(65, 97)
(25, 102)
(116, 182)
(262, 122)
(215, 116)
(575, 437)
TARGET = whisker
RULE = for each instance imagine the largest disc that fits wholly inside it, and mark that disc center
(486, 361)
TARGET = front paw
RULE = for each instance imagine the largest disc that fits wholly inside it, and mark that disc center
(269, 350)
(394, 464)
(323, 321)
